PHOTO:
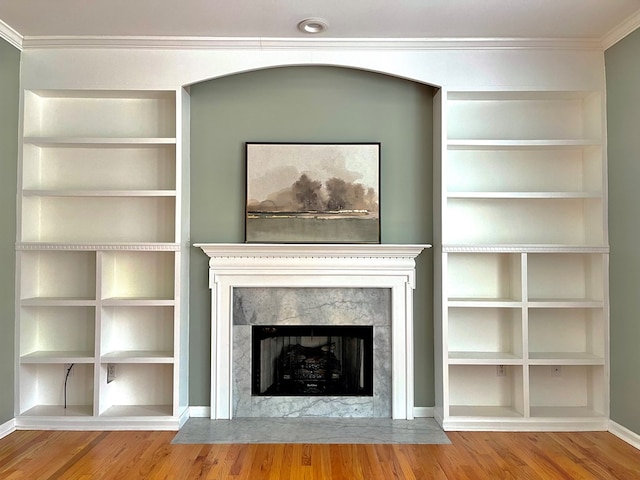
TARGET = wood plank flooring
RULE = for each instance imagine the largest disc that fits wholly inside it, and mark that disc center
(39, 455)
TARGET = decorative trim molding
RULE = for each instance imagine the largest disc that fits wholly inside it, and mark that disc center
(623, 433)
(7, 428)
(303, 250)
(10, 35)
(523, 249)
(260, 43)
(173, 247)
(621, 31)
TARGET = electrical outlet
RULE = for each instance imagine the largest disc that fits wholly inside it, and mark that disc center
(501, 371)
(111, 372)
(557, 371)
(68, 370)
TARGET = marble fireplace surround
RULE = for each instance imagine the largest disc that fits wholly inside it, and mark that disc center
(314, 266)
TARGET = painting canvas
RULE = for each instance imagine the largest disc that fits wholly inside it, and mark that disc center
(313, 193)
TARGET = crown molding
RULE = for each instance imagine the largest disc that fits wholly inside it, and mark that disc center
(10, 35)
(264, 43)
(621, 31)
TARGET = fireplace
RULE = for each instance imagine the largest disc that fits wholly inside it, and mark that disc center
(312, 360)
(282, 274)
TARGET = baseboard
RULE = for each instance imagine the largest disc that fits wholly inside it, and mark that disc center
(200, 412)
(423, 412)
(7, 427)
(625, 434)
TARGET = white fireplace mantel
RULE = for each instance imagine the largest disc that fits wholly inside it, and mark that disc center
(312, 265)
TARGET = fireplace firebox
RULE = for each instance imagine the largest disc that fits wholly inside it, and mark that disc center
(300, 360)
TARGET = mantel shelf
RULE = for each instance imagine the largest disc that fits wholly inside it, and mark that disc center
(270, 250)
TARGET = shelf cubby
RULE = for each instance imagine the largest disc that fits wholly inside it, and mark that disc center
(137, 275)
(478, 335)
(137, 332)
(84, 167)
(522, 220)
(484, 277)
(524, 116)
(57, 275)
(562, 276)
(126, 218)
(42, 389)
(137, 390)
(499, 396)
(88, 114)
(566, 335)
(570, 391)
(55, 332)
(525, 169)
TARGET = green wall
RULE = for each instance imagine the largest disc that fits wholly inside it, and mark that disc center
(622, 63)
(9, 93)
(310, 104)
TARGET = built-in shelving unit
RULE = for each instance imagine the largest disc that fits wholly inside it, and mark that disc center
(100, 319)
(522, 308)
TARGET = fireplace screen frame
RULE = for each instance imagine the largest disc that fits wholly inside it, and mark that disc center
(323, 367)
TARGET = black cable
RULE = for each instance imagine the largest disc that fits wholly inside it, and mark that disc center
(65, 384)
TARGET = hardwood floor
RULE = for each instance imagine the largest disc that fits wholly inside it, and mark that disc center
(39, 455)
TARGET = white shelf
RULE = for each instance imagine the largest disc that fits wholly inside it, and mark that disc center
(564, 358)
(543, 144)
(98, 141)
(138, 357)
(63, 356)
(57, 302)
(483, 358)
(59, 411)
(129, 411)
(99, 193)
(525, 195)
(475, 411)
(565, 412)
(484, 303)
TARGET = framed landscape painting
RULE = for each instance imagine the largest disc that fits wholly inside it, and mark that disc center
(312, 193)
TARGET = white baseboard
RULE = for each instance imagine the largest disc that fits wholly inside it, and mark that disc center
(7, 427)
(424, 412)
(200, 412)
(625, 434)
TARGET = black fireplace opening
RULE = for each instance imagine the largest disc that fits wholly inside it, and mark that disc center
(300, 360)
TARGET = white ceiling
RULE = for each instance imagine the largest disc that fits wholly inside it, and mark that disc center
(593, 20)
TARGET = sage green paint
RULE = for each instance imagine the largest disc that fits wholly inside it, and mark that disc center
(310, 104)
(622, 63)
(9, 106)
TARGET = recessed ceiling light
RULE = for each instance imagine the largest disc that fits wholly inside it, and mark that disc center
(313, 25)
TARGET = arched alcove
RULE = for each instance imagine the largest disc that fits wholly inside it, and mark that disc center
(308, 103)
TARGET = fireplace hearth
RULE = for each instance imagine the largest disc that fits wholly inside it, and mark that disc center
(312, 360)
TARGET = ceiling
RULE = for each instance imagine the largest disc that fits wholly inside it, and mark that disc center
(592, 20)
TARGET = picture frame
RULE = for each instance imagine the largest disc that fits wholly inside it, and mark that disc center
(312, 193)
